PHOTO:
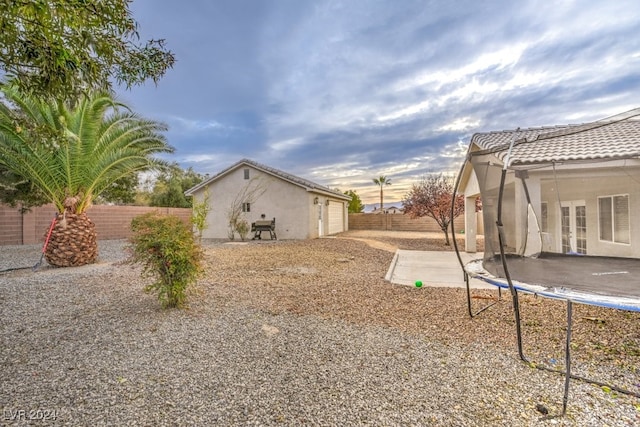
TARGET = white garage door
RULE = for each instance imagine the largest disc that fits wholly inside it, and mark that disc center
(336, 217)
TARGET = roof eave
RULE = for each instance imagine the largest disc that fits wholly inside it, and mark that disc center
(265, 169)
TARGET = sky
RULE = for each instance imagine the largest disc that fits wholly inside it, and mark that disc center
(341, 92)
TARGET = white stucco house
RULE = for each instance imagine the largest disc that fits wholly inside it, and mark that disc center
(582, 181)
(394, 210)
(389, 210)
(302, 209)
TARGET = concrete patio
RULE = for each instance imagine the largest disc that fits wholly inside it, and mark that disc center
(432, 268)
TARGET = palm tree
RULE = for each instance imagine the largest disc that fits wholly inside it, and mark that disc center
(71, 153)
(381, 181)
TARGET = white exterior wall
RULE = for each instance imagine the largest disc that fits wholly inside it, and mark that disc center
(587, 188)
(297, 217)
(316, 216)
(471, 191)
(585, 183)
(322, 214)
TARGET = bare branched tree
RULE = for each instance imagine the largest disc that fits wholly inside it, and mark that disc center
(433, 197)
(249, 194)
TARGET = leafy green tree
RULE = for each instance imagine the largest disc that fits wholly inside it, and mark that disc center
(355, 204)
(120, 192)
(90, 145)
(170, 185)
(63, 48)
(381, 182)
(169, 194)
(18, 191)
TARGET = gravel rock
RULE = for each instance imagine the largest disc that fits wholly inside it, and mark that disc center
(293, 333)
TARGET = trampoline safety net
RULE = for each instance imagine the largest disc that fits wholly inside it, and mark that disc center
(558, 207)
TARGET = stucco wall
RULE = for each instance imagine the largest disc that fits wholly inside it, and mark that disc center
(293, 206)
(588, 189)
(322, 213)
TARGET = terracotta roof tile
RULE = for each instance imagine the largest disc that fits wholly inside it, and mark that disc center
(589, 141)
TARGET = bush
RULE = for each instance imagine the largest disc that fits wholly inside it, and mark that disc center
(243, 227)
(166, 248)
(199, 214)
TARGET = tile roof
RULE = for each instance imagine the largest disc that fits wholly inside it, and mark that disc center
(308, 185)
(588, 141)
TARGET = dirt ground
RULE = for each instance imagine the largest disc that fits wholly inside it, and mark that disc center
(342, 277)
(408, 240)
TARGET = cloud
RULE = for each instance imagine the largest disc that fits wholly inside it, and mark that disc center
(460, 124)
(340, 92)
(194, 125)
(286, 144)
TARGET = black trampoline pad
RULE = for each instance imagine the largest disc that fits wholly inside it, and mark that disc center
(593, 274)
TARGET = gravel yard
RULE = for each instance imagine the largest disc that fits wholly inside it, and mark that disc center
(295, 333)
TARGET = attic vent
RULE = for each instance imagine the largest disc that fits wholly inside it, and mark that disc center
(246, 173)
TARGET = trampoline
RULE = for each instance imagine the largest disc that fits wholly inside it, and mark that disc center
(557, 209)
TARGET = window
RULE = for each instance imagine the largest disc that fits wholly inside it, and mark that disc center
(246, 207)
(544, 217)
(613, 218)
(246, 174)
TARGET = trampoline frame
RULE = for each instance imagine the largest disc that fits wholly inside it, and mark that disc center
(514, 289)
(500, 284)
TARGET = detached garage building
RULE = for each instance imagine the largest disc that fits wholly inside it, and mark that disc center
(302, 209)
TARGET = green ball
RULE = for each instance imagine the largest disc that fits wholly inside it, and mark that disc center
(418, 284)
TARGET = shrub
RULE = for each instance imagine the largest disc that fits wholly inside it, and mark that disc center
(242, 227)
(166, 248)
(199, 214)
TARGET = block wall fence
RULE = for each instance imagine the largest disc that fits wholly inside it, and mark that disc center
(112, 222)
(401, 222)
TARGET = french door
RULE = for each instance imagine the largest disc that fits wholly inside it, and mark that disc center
(573, 226)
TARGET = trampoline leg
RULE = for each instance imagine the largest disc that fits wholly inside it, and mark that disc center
(516, 312)
(471, 313)
(568, 376)
(466, 281)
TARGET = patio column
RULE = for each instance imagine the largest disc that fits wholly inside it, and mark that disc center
(520, 215)
(526, 231)
(470, 224)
